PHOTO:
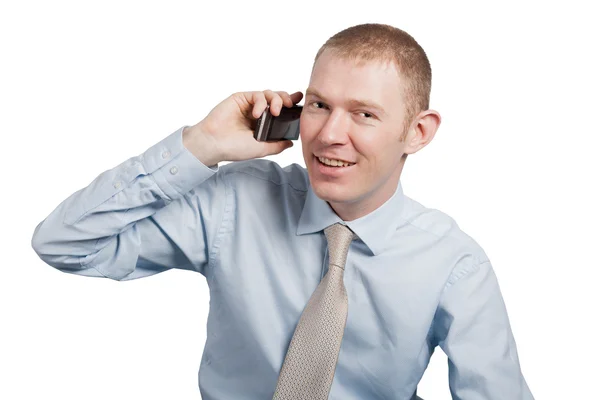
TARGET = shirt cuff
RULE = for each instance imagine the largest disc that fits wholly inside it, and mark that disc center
(174, 168)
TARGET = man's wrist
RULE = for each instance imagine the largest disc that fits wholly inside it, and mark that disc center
(201, 145)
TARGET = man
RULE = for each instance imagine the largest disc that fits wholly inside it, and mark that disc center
(325, 281)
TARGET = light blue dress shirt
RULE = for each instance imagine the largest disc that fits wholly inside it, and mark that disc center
(255, 231)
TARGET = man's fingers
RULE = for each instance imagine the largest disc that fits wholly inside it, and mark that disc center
(271, 148)
(290, 100)
(260, 103)
(287, 99)
(275, 102)
(296, 97)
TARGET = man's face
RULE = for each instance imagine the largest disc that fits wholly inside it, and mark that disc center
(334, 123)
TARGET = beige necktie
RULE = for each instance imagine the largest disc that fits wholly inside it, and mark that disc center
(309, 365)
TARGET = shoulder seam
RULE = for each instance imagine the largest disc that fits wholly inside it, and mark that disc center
(477, 254)
(465, 272)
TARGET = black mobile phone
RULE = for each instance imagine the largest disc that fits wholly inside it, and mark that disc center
(285, 126)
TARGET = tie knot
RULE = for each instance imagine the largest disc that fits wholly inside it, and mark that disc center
(339, 238)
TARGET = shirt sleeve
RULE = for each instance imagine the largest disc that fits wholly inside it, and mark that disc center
(473, 330)
(153, 212)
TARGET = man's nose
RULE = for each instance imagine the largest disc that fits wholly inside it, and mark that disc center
(335, 129)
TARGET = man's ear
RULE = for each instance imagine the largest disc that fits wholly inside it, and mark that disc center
(422, 131)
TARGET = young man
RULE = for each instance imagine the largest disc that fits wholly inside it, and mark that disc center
(325, 281)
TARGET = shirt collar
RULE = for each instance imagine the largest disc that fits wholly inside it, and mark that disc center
(374, 229)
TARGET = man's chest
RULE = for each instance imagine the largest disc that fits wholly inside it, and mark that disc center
(390, 296)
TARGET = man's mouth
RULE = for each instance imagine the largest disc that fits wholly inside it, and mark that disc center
(333, 171)
(334, 163)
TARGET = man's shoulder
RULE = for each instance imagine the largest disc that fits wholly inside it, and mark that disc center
(292, 176)
(440, 226)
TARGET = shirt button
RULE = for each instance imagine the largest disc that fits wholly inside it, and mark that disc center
(117, 184)
(174, 170)
(166, 154)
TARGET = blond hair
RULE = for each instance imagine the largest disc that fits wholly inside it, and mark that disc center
(385, 43)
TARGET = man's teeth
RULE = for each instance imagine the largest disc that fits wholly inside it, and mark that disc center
(334, 163)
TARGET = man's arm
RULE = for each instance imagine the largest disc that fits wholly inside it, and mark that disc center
(473, 329)
(134, 221)
(140, 217)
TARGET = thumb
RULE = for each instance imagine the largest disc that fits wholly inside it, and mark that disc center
(278, 147)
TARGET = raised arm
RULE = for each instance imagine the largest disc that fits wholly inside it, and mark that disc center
(161, 209)
(138, 218)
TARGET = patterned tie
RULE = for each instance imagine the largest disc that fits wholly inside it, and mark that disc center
(309, 365)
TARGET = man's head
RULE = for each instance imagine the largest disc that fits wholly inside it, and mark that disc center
(367, 103)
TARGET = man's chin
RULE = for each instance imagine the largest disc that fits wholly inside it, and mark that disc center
(329, 191)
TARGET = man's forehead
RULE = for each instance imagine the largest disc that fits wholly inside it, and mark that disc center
(329, 69)
(371, 83)
(330, 59)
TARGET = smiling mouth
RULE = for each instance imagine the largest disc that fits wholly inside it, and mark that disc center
(330, 171)
(333, 163)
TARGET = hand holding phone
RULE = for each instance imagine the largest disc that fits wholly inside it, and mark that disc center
(226, 133)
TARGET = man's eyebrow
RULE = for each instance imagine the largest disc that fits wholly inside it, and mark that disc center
(352, 102)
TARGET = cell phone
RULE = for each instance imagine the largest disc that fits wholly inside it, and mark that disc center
(285, 126)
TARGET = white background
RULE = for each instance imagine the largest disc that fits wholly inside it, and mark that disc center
(86, 85)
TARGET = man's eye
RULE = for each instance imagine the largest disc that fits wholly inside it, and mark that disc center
(318, 104)
(367, 115)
